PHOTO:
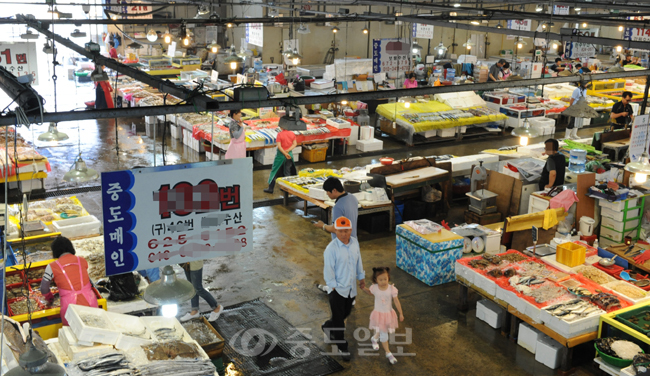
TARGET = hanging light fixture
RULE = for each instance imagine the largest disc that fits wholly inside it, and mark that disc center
(640, 168)
(469, 44)
(52, 134)
(335, 29)
(442, 50)
(456, 5)
(233, 59)
(365, 30)
(539, 7)
(544, 25)
(521, 43)
(620, 28)
(78, 34)
(80, 173)
(48, 49)
(168, 292)
(229, 25)
(214, 47)
(499, 26)
(295, 57)
(525, 133)
(619, 48)
(152, 36)
(135, 45)
(475, 22)
(303, 29)
(34, 362)
(167, 38)
(577, 9)
(584, 24)
(416, 48)
(98, 75)
(29, 35)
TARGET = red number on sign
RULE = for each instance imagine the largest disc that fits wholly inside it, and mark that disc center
(244, 242)
(7, 55)
(181, 237)
(167, 245)
(153, 244)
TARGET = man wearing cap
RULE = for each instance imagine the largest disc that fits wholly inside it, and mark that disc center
(493, 74)
(343, 267)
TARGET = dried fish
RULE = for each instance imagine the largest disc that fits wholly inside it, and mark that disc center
(547, 292)
(580, 291)
(606, 301)
(166, 333)
(594, 274)
(495, 273)
(513, 257)
(509, 272)
(171, 350)
(496, 260)
(531, 268)
(627, 290)
(479, 264)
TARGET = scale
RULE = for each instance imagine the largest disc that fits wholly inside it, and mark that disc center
(481, 201)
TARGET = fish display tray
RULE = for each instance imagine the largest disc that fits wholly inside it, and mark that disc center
(157, 322)
(627, 284)
(108, 334)
(570, 329)
(639, 313)
(126, 324)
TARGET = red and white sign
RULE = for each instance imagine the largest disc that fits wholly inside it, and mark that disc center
(19, 58)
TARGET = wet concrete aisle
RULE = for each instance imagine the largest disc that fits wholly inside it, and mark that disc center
(287, 262)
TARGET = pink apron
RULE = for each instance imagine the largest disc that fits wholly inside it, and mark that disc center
(237, 148)
(70, 296)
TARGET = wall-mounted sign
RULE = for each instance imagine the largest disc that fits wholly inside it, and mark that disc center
(19, 58)
(422, 31)
(390, 56)
(255, 34)
(520, 24)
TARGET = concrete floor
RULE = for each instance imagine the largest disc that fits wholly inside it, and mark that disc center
(287, 261)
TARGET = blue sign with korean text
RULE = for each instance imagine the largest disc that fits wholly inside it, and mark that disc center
(175, 214)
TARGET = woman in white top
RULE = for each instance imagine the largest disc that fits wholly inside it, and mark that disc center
(576, 123)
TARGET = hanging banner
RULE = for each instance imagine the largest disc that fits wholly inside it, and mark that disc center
(422, 31)
(637, 34)
(390, 56)
(19, 58)
(639, 141)
(561, 10)
(520, 24)
(255, 34)
(575, 50)
(174, 214)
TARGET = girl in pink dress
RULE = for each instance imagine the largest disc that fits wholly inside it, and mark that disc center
(237, 147)
(383, 319)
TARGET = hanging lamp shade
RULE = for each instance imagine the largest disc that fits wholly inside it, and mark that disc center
(167, 37)
(214, 47)
(335, 29)
(640, 168)
(80, 172)
(77, 34)
(303, 29)
(525, 131)
(469, 43)
(169, 289)
(29, 35)
(52, 134)
(34, 362)
(416, 48)
(441, 49)
(98, 75)
(233, 58)
(580, 109)
(152, 36)
(134, 45)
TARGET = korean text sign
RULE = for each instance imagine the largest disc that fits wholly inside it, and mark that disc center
(255, 34)
(173, 214)
(390, 56)
(19, 58)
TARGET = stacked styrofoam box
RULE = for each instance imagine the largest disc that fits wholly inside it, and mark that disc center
(190, 141)
(76, 351)
(265, 156)
(431, 133)
(549, 352)
(544, 124)
(296, 153)
(317, 192)
(176, 134)
(107, 335)
(76, 227)
(491, 313)
(150, 120)
(338, 123)
(465, 272)
(486, 284)
(212, 156)
(572, 329)
(126, 324)
(528, 337)
(354, 135)
(507, 296)
(154, 323)
(366, 132)
(370, 145)
(447, 132)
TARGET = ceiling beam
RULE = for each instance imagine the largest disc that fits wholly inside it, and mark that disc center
(9, 119)
(202, 102)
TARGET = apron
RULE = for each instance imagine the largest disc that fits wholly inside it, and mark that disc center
(237, 148)
(278, 163)
(103, 99)
(70, 296)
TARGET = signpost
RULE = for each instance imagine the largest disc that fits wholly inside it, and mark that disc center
(174, 214)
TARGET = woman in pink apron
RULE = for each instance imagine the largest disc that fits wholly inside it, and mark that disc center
(70, 273)
(237, 148)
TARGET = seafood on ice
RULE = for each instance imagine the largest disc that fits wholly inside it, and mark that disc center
(606, 301)
(618, 348)
(573, 310)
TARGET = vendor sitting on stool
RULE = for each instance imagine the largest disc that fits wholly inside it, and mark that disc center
(553, 172)
(283, 164)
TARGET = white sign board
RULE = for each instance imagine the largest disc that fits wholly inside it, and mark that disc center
(422, 31)
(639, 142)
(214, 76)
(174, 214)
(575, 50)
(171, 50)
(19, 58)
(637, 34)
(390, 56)
(561, 10)
(520, 24)
(138, 11)
(255, 34)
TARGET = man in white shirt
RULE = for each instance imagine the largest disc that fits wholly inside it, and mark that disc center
(343, 267)
(576, 123)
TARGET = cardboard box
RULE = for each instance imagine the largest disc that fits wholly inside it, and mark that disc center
(386, 126)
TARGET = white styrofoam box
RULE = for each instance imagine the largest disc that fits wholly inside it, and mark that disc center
(212, 156)
(107, 334)
(150, 119)
(485, 284)
(154, 323)
(611, 286)
(541, 122)
(128, 325)
(322, 84)
(506, 295)
(604, 242)
(431, 133)
(366, 133)
(528, 337)
(31, 185)
(615, 235)
(618, 215)
(370, 145)
(317, 192)
(548, 131)
(354, 135)
(79, 226)
(491, 313)
(628, 371)
(447, 132)
(618, 205)
(266, 152)
(296, 157)
(465, 272)
(338, 123)
(32, 167)
(513, 122)
(175, 132)
(492, 243)
(296, 150)
(76, 353)
(552, 261)
(571, 329)
(466, 59)
(67, 339)
(549, 352)
(616, 225)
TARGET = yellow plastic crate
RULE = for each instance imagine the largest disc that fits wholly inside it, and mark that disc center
(570, 254)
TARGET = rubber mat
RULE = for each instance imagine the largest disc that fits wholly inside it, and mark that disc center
(261, 342)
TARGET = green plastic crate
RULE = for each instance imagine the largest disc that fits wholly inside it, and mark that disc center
(639, 313)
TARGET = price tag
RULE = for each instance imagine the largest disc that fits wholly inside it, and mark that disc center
(534, 234)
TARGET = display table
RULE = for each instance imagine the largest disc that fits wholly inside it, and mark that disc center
(429, 258)
(514, 317)
(617, 147)
(363, 209)
(402, 183)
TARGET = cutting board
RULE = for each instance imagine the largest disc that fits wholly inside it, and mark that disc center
(408, 177)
